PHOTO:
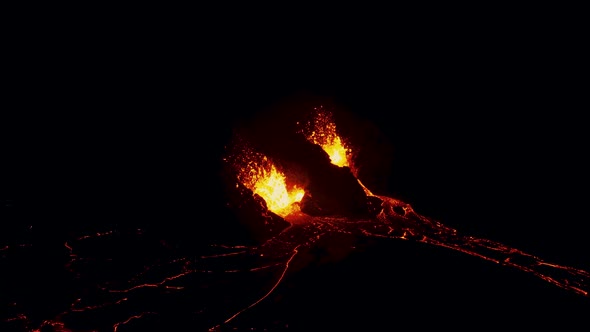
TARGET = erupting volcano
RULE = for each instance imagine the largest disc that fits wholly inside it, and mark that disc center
(373, 215)
(293, 191)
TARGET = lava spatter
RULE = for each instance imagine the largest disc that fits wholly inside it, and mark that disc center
(261, 176)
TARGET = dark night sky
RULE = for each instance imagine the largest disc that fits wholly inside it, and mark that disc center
(486, 132)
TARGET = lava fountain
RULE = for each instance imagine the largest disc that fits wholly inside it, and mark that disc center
(259, 174)
(321, 130)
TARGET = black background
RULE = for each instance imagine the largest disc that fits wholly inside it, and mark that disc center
(480, 128)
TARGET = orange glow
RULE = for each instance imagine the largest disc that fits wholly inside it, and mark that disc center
(322, 131)
(262, 177)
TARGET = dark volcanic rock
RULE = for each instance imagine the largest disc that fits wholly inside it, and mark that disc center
(252, 214)
(334, 191)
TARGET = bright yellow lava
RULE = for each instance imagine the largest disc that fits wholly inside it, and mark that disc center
(337, 152)
(261, 176)
(322, 131)
(272, 187)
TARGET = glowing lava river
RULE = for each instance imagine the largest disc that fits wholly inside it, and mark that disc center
(289, 199)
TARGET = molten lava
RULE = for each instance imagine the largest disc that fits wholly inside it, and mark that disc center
(271, 186)
(322, 131)
(264, 179)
